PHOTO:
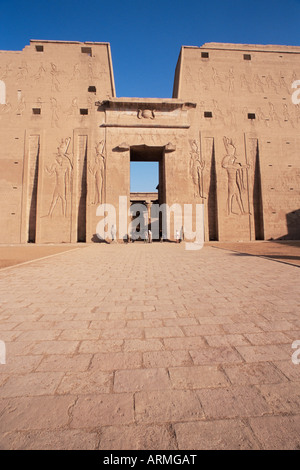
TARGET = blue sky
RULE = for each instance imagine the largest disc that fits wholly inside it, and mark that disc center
(146, 36)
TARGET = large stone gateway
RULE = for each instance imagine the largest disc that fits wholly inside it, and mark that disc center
(228, 139)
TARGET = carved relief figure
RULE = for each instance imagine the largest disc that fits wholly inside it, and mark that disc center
(23, 71)
(54, 75)
(202, 80)
(21, 106)
(73, 110)
(217, 112)
(91, 102)
(196, 168)
(62, 169)
(146, 113)
(245, 85)
(258, 84)
(262, 117)
(297, 112)
(40, 73)
(231, 117)
(54, 113)
(235, 177)
(76, 73)
(230, 80)
(98, 171)
(273, 115)
(5, 108)
(216, 79)
(283, 84)
(286, 115)
(188, 77)
(8, 71)
(91, 72)
(271, 84)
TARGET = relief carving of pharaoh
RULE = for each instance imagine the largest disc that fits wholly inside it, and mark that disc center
(196, 169)
(62, 169)
(98, 171)
(236, 178)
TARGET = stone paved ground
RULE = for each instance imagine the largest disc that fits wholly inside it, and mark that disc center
(16, 254)
(150, 347)
(282, 251)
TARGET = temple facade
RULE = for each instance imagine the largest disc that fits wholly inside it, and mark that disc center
(227, 139)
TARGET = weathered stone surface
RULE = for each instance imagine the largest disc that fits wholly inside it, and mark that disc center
(137, 437)
(141, 379)
(98, 410)
(232, 402)
(198, 391)
(230, 132)
(277, 432)
(223, 435)
(167, 406)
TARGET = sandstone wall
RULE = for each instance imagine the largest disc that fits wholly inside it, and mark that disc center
(244, 98)
(49, 103)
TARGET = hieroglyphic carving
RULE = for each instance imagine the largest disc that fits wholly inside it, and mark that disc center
(40, 73)
(230, 78)
(76, 75)
(23, 71)
(188, 77)
(8, 71)
(271, 83)
(286, 115)
(262, 117)
(217, 112)
(235, 174)
(216, 78)
(297, 113)
(73, 109)
(283, 84)
(54, 113)
(98, 171)
(245, 85)
(197, 165)
(62, 169)
(91, 70)
(231, 117)
(273, 115)
(55, 84)
(5, 108)
(258, 84)
(202, 79)
(21, 106)
(91, 103)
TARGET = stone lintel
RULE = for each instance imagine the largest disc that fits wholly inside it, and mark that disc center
(167, 104)
(158, 126)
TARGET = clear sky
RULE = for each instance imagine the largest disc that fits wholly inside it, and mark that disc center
(146, 35)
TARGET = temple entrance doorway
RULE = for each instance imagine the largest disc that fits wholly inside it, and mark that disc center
(147, 187)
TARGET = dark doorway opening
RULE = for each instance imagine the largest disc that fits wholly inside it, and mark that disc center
(143, 154)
